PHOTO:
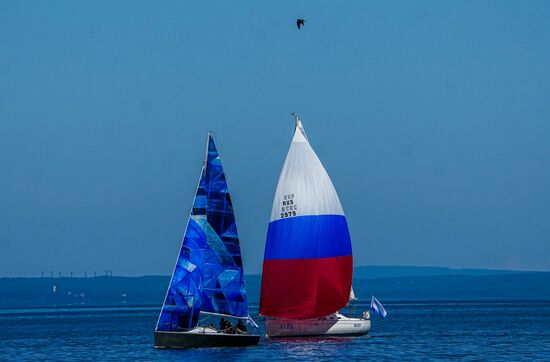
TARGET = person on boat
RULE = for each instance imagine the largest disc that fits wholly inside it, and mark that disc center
(230, 328)
(241, 327)
(223, 324)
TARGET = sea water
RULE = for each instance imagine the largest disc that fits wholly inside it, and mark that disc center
(470, 331)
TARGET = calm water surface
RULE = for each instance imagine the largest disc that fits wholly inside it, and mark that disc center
(413, 331)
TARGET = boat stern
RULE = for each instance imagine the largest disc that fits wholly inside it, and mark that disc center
(335, 325)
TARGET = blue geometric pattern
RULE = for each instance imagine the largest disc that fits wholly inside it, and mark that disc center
(208, 275)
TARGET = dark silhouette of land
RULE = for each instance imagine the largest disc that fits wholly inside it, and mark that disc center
(391, 283)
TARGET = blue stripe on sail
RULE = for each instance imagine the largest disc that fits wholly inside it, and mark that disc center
(304, 237)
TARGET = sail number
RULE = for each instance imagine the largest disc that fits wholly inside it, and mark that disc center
(289, 206)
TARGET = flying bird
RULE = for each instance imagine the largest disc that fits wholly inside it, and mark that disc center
(300, 22)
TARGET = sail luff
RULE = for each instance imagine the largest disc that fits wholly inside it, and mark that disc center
(183, 239)
(205, 161)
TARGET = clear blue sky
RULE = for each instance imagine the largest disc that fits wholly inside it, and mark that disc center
(431, 117)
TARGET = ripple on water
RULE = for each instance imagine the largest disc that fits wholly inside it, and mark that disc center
(413, 331)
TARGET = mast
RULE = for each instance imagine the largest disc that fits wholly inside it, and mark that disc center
(208, 137)
(298, 125)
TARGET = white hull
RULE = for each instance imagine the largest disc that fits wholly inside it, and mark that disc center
(332, 325)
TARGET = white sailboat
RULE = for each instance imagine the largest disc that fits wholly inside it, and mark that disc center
(308, 261)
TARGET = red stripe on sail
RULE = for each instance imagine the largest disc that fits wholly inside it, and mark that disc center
(305, 288)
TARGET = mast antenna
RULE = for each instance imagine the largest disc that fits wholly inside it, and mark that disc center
(298, 125)
(296, 118)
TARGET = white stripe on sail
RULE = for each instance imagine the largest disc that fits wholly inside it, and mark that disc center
(304, 186)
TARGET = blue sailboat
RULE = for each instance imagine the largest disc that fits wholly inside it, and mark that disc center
(208, 279)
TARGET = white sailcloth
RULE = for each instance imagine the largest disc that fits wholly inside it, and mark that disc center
(305, 181)
(352, 296)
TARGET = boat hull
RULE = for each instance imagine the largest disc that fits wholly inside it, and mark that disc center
(331, 326)
(197, 340)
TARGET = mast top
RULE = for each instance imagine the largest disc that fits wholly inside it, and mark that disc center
(209, 139)
(298, 127)
(298, 122)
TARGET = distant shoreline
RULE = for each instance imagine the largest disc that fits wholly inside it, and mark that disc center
(373, 271)
(389, 284)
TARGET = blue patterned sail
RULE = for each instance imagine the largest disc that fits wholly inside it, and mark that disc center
(208, 276)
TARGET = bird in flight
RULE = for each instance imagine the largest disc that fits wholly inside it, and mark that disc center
(300, 22)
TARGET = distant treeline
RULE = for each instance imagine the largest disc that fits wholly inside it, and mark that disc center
(387, 283)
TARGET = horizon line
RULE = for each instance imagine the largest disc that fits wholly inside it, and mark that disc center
(85, 275)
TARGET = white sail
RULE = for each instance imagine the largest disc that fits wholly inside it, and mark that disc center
(352, 296)
(305, 181)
